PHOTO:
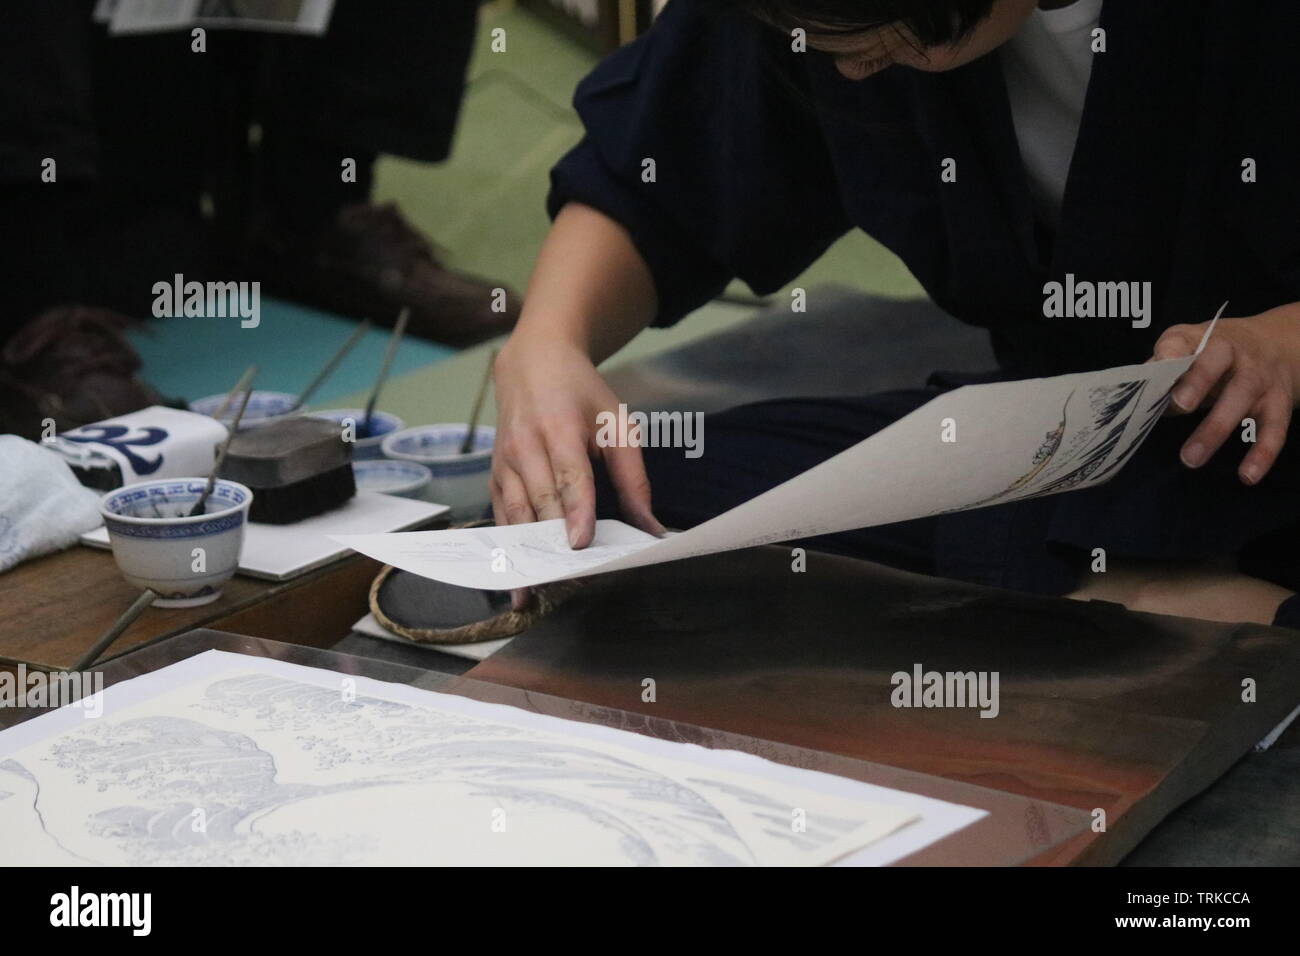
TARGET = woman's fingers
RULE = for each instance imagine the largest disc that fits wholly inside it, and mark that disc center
(515, 507)
(530, 461)
(1176, 341)
(520, 598)
(510, 505)
(1239, 375)
(1239, 396)
(627, 471)
(575, 484)
(1272, 419)
(1199, 381)
(558, 480)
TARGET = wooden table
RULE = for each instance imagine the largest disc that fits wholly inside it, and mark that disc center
(1101, 709)
(1012, 830)
(53, 608)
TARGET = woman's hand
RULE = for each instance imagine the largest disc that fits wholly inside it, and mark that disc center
(590, 293)
(1250, 368)
(548, 396)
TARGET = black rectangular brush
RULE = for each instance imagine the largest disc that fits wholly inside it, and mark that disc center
(296, 469)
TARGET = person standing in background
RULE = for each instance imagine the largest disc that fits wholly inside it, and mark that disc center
(226, 163)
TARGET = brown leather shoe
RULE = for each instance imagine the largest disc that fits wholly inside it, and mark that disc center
(72, 364)
(371, 263)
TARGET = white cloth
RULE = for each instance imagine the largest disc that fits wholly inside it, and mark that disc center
(1047, 65)
(43, 507)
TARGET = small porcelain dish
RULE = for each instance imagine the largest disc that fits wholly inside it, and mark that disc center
(405, 479)
(185, 560)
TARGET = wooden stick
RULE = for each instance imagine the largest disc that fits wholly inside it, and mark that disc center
(468, 444)
(221, 457)
(243, 383)
(393, 340)
(128, 616)
(331, 365)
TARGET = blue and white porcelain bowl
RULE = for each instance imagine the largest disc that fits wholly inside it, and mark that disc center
(185, 560)
(406, 479)
(458, 481)
(364, 447)
(263, 408)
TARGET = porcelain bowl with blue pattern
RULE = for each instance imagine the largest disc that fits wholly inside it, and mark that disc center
(458, 481)
(365, 446)
(263, 408)
(185, 560)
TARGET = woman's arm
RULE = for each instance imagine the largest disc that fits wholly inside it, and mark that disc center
(590, 293)
(744, 187)
(590, 287)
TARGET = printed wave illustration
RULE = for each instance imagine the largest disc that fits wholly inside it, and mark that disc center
(316, 778)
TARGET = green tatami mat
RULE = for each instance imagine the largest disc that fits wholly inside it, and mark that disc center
(193, 357)
(485, 207)
(486, 204)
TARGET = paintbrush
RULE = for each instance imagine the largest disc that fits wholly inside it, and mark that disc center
(242, 384)
(393, 340)
(221, 457)
(468, 444)
(331, 365)
(115, 631)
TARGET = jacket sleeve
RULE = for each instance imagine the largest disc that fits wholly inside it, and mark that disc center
(742, 186)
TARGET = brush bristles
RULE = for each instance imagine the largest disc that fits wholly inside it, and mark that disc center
(303, 499)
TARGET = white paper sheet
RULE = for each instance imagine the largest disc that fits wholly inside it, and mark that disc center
(1013, 440)
(277, 552)
(228, 759)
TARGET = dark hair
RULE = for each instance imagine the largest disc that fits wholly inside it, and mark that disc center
(931, 22)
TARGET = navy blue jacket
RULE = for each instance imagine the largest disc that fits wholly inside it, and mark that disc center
(765, 156)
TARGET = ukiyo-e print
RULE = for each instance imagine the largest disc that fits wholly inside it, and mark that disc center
(1116, 425)
(248, 768)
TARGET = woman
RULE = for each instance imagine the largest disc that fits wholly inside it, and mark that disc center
(996, 146)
